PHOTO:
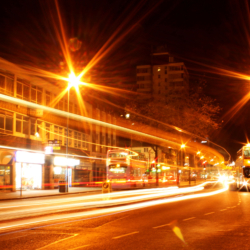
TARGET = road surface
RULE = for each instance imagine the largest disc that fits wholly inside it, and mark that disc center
(220, 221)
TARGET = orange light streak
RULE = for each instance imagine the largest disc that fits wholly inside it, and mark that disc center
(123, 208)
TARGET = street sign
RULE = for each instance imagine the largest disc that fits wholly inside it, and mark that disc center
(106, 187)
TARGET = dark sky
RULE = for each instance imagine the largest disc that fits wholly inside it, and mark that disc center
(199, 32)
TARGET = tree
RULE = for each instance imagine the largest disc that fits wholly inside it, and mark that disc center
(195, 113)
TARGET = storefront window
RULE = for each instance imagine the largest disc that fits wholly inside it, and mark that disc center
(5, 176)
(30, 175)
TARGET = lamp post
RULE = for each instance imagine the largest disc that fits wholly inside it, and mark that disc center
(73, 82)
(67, 142)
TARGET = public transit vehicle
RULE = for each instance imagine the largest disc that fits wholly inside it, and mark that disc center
(125, 168)
(242, 169)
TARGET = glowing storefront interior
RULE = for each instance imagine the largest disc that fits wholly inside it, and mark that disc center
(29, 170)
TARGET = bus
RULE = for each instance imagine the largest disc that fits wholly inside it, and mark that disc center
(125, 168)
(242, 169)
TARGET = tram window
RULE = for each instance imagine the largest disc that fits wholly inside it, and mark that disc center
(117, 155)
(246, 153)
(246, 172)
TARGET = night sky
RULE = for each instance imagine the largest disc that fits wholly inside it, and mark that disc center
(200, 33)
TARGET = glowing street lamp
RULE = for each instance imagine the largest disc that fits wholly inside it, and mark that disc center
(183, 146)
(73, 81)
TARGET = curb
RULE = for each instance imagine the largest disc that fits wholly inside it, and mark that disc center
(42, 196)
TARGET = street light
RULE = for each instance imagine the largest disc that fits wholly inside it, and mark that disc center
(73, 82)
(127, 116)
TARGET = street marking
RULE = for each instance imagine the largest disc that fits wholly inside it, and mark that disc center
(57, 241)
(117, 237)
(189, 218)
(79, 247)
(209, 213)
(223, 209)
(162, 226)
(228, 207)
(233, 207)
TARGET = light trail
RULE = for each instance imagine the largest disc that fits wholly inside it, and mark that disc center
(124, 208)
(140, 194)
(80, 118)
(94, 202)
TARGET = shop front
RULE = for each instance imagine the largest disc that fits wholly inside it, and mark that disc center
(61, 166)
(6, 169)
(29, 170)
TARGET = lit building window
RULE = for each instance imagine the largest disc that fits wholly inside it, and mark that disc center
(23, 90)
(22, 124)
(36, 94)
(6, 123)
(75, 139)
(79, 140)
(47, 127)
(7, 84)
(47, 99)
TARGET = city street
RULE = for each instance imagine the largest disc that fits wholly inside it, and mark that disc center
(124, 125)
(215, 222)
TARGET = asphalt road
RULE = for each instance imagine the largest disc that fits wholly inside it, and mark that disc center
(220, 221)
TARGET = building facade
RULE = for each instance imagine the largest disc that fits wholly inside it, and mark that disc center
(162, 80)
(27, 159)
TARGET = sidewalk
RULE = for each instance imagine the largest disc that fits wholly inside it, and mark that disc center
(26, 194)
(5, 195)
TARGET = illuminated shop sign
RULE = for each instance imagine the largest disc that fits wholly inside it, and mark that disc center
(63, 161)
(48, 150)
(35, 158)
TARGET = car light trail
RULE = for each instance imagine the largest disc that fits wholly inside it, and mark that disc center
(97, 203)
(96, 199)
(111, 210)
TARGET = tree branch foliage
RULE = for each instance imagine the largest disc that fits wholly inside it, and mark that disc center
(195, 113)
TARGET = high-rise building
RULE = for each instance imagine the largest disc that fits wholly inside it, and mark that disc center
(162, 80)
